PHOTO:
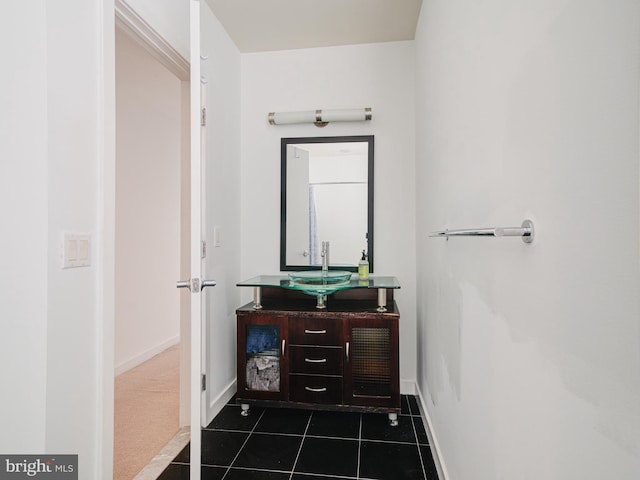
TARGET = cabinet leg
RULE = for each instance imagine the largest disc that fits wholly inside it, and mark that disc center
(393, 419)
(382, 299)
(257, 298)
(245, 409)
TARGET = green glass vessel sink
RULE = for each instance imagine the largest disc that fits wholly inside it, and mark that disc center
(317, 282)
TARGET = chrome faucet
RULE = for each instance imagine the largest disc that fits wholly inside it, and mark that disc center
(325, 256)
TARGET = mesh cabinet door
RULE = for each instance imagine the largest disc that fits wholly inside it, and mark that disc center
(371, 362)
(371, 370)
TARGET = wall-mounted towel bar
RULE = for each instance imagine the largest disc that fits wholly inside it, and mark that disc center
(525, 231)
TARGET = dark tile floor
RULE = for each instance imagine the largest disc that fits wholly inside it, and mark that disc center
(288, 444)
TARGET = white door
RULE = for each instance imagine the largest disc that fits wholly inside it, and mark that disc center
(197, 282)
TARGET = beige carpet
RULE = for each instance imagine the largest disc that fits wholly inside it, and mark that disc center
(147, 401)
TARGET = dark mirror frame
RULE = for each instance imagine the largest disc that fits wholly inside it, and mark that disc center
(284, 142)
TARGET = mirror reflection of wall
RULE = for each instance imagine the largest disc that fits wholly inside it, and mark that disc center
(327, 199)
(338, 197)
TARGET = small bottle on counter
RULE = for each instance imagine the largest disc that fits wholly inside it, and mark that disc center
(363, 267)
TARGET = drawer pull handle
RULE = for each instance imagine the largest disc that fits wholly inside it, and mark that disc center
(315, 331)
(316, 390)
(315, 360)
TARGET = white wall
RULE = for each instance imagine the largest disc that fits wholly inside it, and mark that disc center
(380, 76)
(529, 355)
(148, 141)
(23, 207)
(222, 210)
(74, 79)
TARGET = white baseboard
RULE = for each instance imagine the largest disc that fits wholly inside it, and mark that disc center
(220, 401)
(443, 473)
(407, 387)
(144, 356)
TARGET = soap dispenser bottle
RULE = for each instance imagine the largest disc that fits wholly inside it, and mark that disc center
(363, 267)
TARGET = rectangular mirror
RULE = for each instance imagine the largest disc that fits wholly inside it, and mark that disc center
(326, 195)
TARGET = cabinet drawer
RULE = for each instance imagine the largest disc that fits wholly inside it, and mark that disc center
(315, 331)
(316, 360)
(315, 389)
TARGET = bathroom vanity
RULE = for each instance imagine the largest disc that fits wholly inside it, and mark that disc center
(340, 353)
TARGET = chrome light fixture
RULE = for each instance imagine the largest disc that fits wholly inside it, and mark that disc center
(320, 118)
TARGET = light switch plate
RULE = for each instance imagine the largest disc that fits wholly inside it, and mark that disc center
(75, 250)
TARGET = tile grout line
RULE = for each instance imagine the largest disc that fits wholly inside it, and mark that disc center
(245, 442)
(325, 437)
(280, 434)
(264, 470)
(415, 434)
(295, 462)
(374, 440)
(359, 447)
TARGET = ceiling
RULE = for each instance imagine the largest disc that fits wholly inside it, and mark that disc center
(267, 25)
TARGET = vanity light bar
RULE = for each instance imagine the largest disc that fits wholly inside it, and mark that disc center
(320, 118)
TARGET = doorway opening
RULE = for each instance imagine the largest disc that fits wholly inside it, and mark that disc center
(151, 331)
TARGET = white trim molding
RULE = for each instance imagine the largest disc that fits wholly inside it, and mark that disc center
(443, 473)
(105, 242)
(161, 461)
(128, 21)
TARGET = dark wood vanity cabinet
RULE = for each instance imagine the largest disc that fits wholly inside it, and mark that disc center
(341, 358)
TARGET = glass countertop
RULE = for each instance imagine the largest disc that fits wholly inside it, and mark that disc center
(283, 281)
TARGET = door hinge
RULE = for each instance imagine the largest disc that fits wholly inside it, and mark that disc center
(203, 249)
(203, 116)
(204, 382)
